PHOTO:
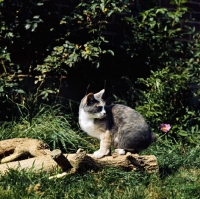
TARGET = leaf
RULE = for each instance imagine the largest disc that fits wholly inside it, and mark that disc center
(93, 6)
(20, 91)
(36, 17)
(110, 13)
(111, 52)
(183, 133)
(40, 4)
(98, 64)
(34, 26)
(27, 26)
(157, 83)
(177, 19)
(161, 10)
(62, 22)
(102, 6)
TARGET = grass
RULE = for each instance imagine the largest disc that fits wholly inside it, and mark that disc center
(49, 125)
(178, 177)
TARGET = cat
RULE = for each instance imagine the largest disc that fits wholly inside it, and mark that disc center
(114, 125)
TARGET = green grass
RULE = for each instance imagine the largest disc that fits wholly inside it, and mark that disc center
(178, 177)
(49, 125)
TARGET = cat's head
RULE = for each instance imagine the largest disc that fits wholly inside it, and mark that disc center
(93, 105)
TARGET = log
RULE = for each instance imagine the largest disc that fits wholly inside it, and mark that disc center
(41, 163)
(21, 148)
(61, 160)
(14, 154)
(83, 161)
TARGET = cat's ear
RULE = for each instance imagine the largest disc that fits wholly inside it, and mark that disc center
(88, 98)
(98, 96)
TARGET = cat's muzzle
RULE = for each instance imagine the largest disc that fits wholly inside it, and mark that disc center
(103, 115)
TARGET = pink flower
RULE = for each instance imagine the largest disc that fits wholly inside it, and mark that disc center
(165, 127)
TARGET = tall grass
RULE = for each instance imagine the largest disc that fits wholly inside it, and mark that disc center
(51, 125)
(178, 177)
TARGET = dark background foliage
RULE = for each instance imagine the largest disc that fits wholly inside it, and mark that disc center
(51, 51)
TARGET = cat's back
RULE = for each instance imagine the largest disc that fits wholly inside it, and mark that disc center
(129, 129)
(123, 114)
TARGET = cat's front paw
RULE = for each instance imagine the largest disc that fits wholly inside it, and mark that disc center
(98, 154)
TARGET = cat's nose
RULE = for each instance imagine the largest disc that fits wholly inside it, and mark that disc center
(103, 113)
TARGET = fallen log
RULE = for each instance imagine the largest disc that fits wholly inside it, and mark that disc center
(83, 161)
(14, 154)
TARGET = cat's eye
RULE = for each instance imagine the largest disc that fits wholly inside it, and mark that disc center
(99, 108)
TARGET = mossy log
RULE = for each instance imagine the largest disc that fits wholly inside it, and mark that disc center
(47, 161)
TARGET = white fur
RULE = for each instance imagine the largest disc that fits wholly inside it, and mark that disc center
(101, 153)
(87, 124)
(86, 121)
(120, 151)
(98, 96)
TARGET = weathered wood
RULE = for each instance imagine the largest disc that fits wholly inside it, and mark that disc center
(44, 163)
(21, 148)
(129, 162)
(81, 161)
(47, 161)
(61, 160)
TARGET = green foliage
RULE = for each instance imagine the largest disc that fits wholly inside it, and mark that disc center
(167, 94)
(167, 98)
(140, 49)
(88, 21)
(40, 48)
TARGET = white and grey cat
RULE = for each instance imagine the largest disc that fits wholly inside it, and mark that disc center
(115, 125)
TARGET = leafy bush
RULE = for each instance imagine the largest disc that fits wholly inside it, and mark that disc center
(166, 94)
(141, 50)
(167, 99)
